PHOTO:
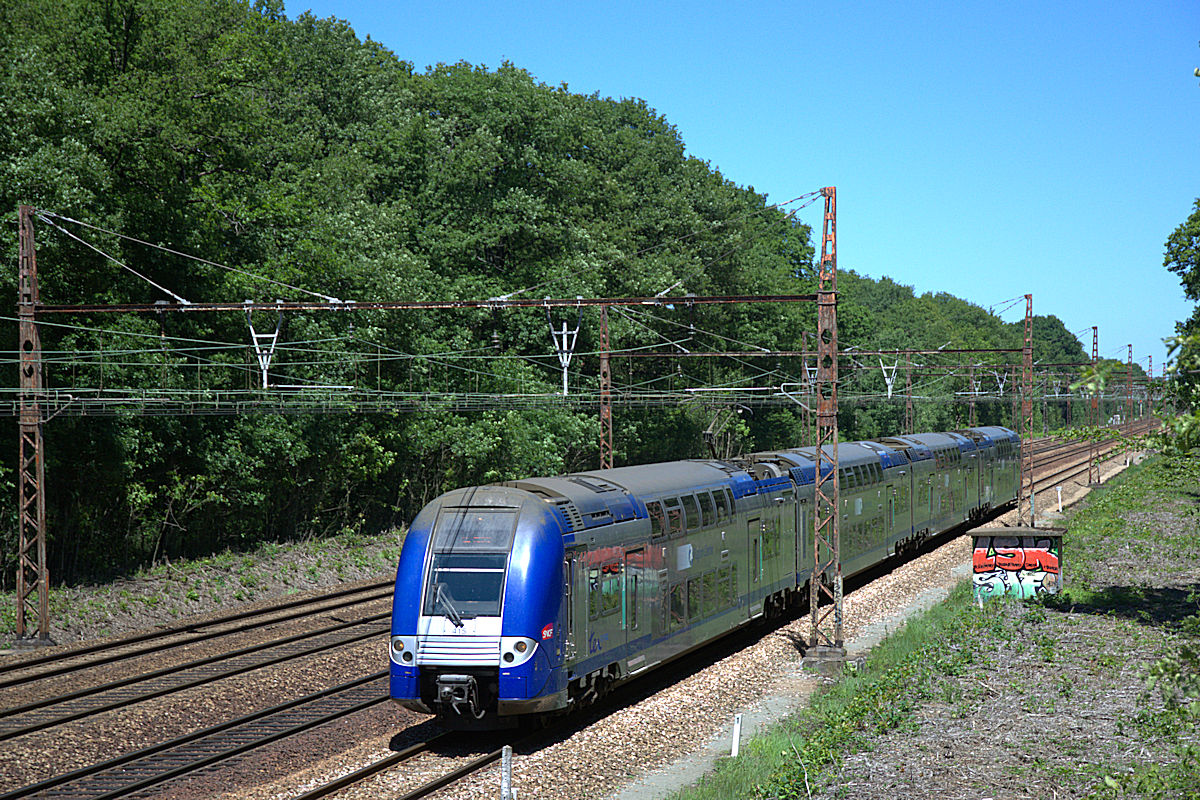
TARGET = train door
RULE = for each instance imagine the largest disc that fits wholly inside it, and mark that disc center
(889, 518)
(573, 613)
(803, 556)
(987, 478)
(634, 594)
(754, 572)
(788, 546)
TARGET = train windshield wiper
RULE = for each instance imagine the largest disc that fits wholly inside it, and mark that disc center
(443, 598)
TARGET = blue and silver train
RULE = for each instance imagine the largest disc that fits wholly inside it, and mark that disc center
(535, 596)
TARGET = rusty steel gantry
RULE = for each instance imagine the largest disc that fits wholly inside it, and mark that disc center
(1025, 429)
(826, 509)
(1094, 413)
(1129, 389)
(33, 575)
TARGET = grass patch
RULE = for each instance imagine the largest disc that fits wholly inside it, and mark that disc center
(798, 757)
(168, 590)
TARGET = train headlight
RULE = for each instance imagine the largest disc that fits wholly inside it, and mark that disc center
(516, 650)
(403, 649)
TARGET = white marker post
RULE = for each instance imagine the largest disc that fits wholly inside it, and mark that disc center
(737, 735)
(506, 791)
(1059, 488)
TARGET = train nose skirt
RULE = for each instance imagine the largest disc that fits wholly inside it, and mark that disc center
(438, 650)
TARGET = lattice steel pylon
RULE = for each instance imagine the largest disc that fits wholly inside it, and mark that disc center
(33, 576)
(1129, 390)
(827, 562)
(971, 411)
(1094, 413)
(606, 424)
(1026, 502)
(909, 416)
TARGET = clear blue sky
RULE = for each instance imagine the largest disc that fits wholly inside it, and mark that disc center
(985, 149)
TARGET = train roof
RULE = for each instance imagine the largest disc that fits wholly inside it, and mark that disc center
(601, 497)
(998, 433)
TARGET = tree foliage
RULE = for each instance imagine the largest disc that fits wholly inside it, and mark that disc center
(293, 150)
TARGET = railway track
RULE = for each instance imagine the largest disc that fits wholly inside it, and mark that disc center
(138, 773)
(1057, 465)
(161, 640)
(41, 714)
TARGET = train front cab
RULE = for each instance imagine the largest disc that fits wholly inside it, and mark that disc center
(475, 609)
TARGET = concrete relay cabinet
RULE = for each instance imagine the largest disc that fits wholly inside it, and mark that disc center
(1019, 562)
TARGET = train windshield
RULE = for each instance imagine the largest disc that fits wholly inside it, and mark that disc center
(470, 556)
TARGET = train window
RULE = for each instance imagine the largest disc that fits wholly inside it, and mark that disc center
(710, 594)
(725, 589)
(694, 599)
(658, 520)
(722, 504)
(693, 513)
(678, 609)
(631, 601)
(674, 516)
(729, 497)
(465, 584)
(770, 539)
(610, 588)
(706, 509)
(756, 559)
(593, 593)
(474, 529)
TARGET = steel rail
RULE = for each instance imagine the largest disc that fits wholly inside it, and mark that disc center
(160, 762)
(57, 655)
(197, 637)
(374, 768)
(172, 687)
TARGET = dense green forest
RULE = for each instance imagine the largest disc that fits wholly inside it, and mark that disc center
(292, 150)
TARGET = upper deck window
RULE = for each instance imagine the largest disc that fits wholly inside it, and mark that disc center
(692, 511)
(475, 530)
(723, 505)
(470, 557)
(706, 509)
(658, 520)
(674, 515)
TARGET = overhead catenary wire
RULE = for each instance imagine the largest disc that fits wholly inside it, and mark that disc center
(113, 259)
(810, 196)
(43, 214)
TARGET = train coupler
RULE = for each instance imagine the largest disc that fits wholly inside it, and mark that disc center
(461, 693)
